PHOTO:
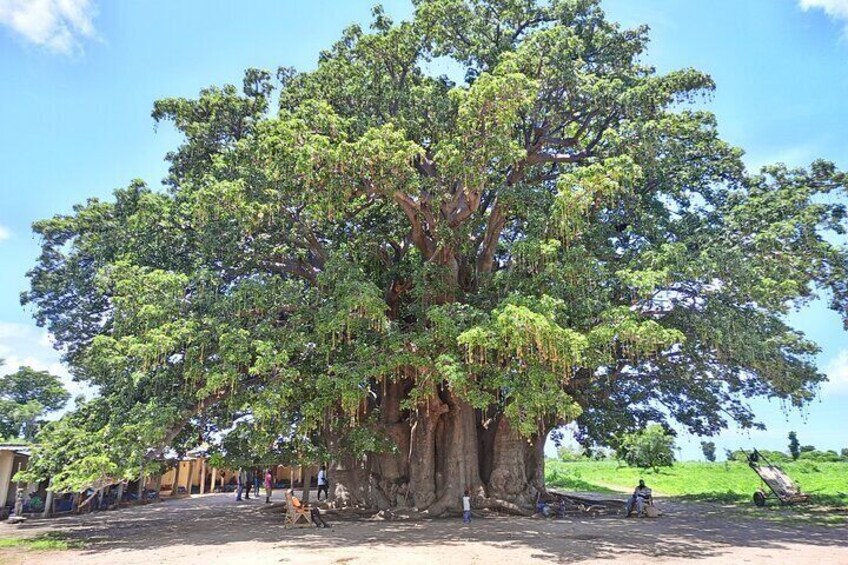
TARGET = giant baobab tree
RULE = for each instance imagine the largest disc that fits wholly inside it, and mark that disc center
(418, 277)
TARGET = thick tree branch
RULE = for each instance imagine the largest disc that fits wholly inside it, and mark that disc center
(413, 213)
(295, 268)
(494, 227)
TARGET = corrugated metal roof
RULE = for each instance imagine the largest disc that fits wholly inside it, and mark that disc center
(17, 448)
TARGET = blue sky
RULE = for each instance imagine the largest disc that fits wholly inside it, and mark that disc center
(78, 79)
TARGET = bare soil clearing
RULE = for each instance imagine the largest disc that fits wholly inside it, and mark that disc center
(214, 529)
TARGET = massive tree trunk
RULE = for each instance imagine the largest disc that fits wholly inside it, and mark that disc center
(443, 450)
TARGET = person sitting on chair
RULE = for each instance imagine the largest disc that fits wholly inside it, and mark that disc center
(641, 496)
(314, 513)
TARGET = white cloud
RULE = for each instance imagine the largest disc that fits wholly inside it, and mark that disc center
(837, 374)
(4, 233)
(58, 25)
(835, 9)
(27, 345)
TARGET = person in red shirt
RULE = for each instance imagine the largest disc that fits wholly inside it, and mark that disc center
(268, 486)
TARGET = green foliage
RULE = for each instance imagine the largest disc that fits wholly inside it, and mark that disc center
(708, 448)
(26, 396)
(741, 456)
(830, 456)
(652, 448)
(794, 446)
(716, 482)
(561, 236)
(569, 454)
(51, 541)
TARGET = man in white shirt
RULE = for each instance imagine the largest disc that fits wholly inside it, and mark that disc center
(323, 483)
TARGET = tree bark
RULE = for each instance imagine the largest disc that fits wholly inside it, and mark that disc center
(514, 465)
(457, 460)
(48, 502)
(422, 451)
(140, 489)
(175, 488)
(348, 478)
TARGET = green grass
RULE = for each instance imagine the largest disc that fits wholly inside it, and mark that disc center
(44, 542)
(726, 483)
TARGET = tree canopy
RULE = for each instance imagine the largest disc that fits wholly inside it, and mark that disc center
(420, 276)
(26, 396)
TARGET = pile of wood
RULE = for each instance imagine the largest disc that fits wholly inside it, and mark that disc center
(578, 503)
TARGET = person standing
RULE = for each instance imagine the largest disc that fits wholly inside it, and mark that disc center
(248, 482)
(257, 480)
(466, 508)
(239, 484)
(323, 483)
(268, 485)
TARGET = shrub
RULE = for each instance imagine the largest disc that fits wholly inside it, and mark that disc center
(807, 467)
(775, 456)
(708, 448)
(772, 456)
(829, 456)
(569, 454)
(652, 447)
(794, 448)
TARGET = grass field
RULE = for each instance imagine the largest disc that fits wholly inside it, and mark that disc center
(45, 542)
(731, 482)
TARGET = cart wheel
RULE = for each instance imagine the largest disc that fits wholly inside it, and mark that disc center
(759, 499)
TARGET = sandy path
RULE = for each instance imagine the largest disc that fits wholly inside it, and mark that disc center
(213, 529)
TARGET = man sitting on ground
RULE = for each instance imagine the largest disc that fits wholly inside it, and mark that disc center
(314, 513)
(641, 497)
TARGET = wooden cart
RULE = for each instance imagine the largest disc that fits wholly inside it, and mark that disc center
(779, 484)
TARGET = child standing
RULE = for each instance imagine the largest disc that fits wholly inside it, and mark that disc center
(466, 508)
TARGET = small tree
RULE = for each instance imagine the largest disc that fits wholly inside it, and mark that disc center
(844, 453)
(651, 447)
(709, 449)
(808, 448)
(26, 396)
(566, 453)
(794, 446)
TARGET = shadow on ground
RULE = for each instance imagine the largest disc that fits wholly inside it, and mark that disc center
(687, 531)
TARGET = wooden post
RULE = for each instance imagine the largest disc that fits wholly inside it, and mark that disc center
(140, 492)
(119, 495)
(48, 502)
(203, 476)
(189, 479)
(175, 488)
(212, 483)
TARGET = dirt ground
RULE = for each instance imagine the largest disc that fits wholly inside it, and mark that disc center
(214, 529)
